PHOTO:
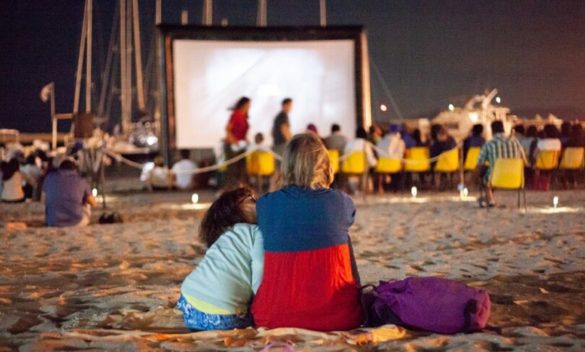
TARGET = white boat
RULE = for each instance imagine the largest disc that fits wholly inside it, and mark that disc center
(478, 110)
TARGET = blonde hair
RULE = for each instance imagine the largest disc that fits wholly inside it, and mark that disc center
(305, 163)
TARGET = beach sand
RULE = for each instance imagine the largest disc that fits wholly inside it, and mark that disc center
(106, 287)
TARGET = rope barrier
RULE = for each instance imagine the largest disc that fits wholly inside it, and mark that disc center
(120, 158)
(201, 170)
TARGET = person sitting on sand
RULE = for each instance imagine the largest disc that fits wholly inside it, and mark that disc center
(183, 171)
(310, 278)
(11, 180)
(68, 197)
(159, 177)
(217, 294)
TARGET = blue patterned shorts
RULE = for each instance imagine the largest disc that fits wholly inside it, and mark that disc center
(197, 320)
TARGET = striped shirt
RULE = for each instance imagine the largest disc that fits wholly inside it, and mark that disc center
(500, 147)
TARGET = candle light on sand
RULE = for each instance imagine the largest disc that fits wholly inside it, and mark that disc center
(94, 192)
(464, 192)
(413, 191)
(194, 198)
(555, 201)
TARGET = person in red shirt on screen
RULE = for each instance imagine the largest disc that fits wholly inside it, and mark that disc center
(236, 141)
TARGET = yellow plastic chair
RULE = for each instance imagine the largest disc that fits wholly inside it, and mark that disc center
(388, 165)
(417, 160)
(471, 158)
(448, 161)
(508, 174)
(547, 160)
(334, 159)
(354, 163)
(260, 163)
(573, 158)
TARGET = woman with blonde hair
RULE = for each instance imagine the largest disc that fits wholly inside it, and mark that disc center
(310, 277)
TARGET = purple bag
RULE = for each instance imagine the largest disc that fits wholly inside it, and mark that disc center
(428, 303)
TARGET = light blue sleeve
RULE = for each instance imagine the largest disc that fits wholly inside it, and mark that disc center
(257, 256)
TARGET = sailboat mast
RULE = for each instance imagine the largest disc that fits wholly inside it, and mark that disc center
(138, 57)
(79, 72)
(88, 56)
(126, 126)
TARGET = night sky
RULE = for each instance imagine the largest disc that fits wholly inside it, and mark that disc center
(430, 53)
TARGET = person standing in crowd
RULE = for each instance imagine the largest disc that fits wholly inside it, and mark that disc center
(475, 139)
(500, 146)
(237, 141)
(281, 128)
(183, 171)
(336, 141)
(12, 191)
(68, 198)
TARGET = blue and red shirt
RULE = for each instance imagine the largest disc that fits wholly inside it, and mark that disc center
(309, 279)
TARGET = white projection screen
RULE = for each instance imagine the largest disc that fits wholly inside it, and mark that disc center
(206, 75)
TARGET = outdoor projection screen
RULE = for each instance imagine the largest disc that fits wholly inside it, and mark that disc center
(208, 70)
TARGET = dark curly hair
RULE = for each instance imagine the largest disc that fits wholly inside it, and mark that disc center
(224, 213)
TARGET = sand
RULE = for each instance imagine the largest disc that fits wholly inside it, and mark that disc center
(106, 287)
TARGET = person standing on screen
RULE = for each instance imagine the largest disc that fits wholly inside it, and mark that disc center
(237, 141)
(281, 127)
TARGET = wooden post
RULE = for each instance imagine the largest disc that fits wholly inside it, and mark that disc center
(262, 17)
(79, 71)
(323, 12)
(53, 118)
(207, 19)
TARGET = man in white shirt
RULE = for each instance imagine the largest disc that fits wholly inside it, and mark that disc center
(183, 171)
(392, 145)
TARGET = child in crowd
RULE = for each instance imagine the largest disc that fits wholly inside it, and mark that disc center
(159, 176)
(310, 278)
(217, 294)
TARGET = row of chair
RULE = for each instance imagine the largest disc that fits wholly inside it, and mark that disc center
(262, 163)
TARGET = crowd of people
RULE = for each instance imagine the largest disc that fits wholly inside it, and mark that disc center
(56, 181)
(26, 177)
(394, 141)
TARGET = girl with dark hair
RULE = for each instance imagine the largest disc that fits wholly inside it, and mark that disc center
(217, 294)
(236, 141)
(12, 182)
